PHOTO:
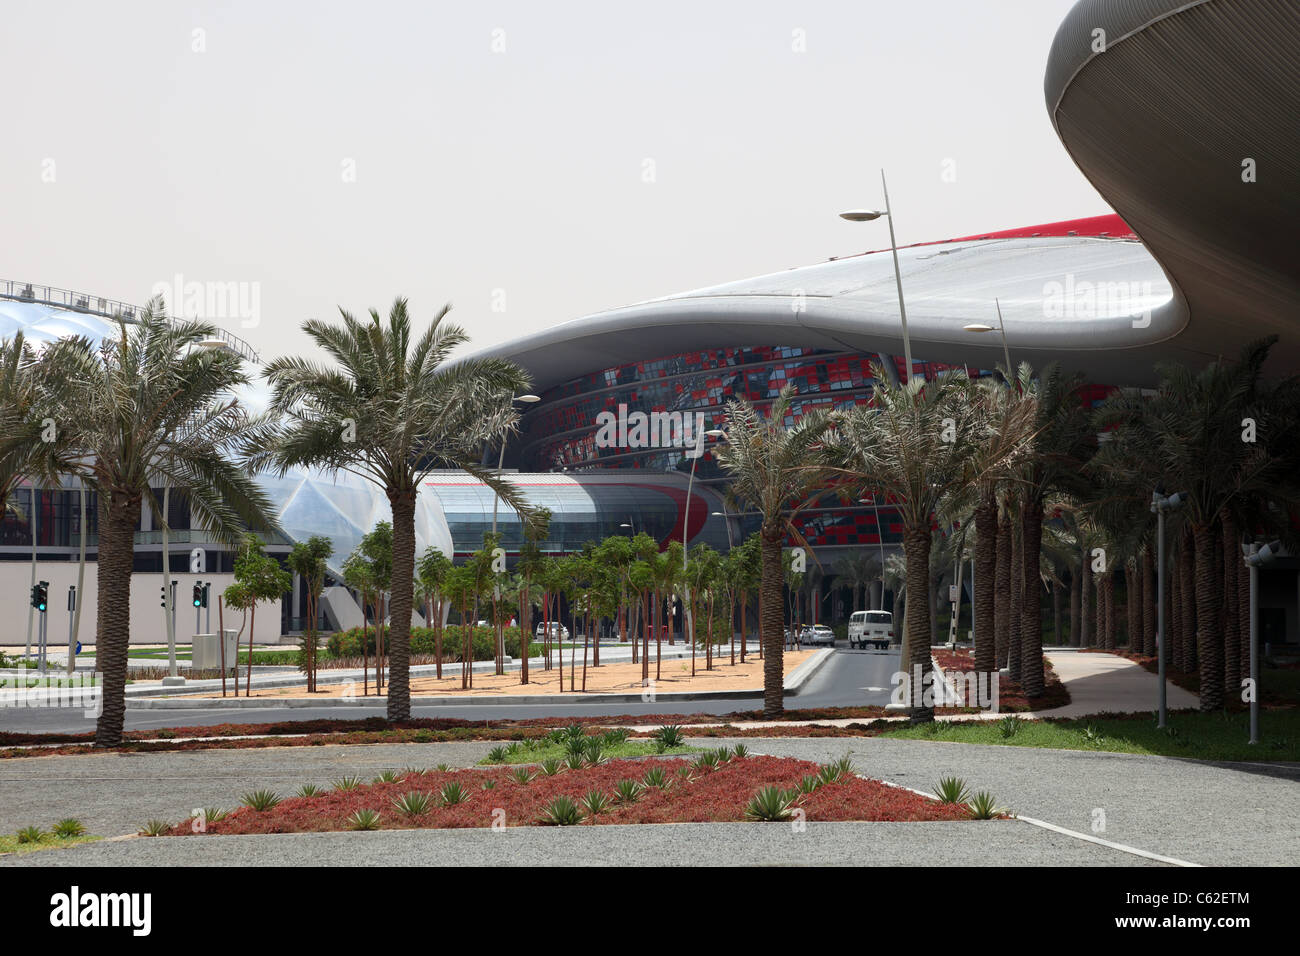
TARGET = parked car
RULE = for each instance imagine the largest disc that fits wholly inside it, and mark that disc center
(871, 629)
(818, 634)
(558, 631)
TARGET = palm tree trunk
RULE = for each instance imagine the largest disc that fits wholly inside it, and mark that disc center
(1056, 612)
(916, 556)
(1076, 580)
(1149, 597)
(986, 561)
(1085, 600)
(1209, 642)
(1031, 621)
(1187, 562)
(770, 625)
(1232, 566)
(1112, 622)
(1243, 619)
(744, 636)
(1174, 615)
(1014, 620)
(399, 635)
(118, 515)
(1002, 591)
(1133, 605)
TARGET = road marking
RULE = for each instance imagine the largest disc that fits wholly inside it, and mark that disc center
(1032, 821)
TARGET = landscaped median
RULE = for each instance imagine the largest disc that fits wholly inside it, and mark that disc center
(717, 786)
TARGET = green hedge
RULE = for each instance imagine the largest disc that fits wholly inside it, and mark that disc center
(348, 643)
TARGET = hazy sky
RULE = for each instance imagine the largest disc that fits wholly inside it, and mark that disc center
(554, 159)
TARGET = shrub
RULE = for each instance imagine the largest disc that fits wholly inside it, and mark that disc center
(415, 803)
(309, 790)
(151, 828)
(627, 791)
(68, 827)
(364, 820)
(562, 812)
(770, 805)
(497, 755)
(595, 803)
(452, 794)
(1009, 726)
(522, 774)
(347, 783)
(31, 835)
(951, 790)
(982, 806)
(260, 800)
(670, 735)
(348, 643)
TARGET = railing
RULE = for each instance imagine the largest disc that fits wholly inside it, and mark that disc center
(98, 305)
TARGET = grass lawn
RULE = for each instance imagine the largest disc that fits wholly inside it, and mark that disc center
(548, 751)
(9, 843)
(50, 680)
(1189, 734)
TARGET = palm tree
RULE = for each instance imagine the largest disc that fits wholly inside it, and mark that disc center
(147, 406)
(431, 577)
(777, 471)
(307, 560)
(914, 444)
(19, 395)
(858, 571)
(391, 411)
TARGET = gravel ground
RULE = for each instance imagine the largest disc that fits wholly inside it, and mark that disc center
(1005, 843)
(1203, 813)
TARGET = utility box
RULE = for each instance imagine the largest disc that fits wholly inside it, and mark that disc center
(207, 652)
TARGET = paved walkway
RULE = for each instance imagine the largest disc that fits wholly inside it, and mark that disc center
(1107, 683)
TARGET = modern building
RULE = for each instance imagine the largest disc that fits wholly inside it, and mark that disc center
(1180, 113)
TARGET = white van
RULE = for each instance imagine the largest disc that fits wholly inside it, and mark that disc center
(871, 629)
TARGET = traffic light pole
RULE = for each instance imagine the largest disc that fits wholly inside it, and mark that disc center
(72, 637)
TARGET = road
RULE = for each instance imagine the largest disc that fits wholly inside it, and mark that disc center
(848, 679)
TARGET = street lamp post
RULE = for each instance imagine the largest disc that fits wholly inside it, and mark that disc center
(981, 327)
(1255, 557)
(1161, 503)
(867, 215)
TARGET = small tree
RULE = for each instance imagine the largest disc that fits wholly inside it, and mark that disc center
(358, 575)
(377, 547)
(307, 560)
(258, 577)
(431, 584)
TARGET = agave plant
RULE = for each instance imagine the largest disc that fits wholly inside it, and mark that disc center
(151, 828)
(670, 735)
(951, 790)
(1009, 726)
(388, 776)
(575, 745)
(655, 778)
(364, 820)
(452, 794)
(574, 730)
(497, 755)
(770, 804)
(562, 812)
(523, 774)
(260, 800)
(982, 806)
(616, 736)
(576, 761)
(740, 751)
(808, 784)
(551, 766)
(627, 790)
(36, 834)
(308, 790)
(443, 767)
(214, 814)
(68, 827)
(594, 753)
(595, 803)
(346, 783)
(706, 761)
(415, 803)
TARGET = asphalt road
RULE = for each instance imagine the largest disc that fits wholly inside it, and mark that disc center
(850, 678)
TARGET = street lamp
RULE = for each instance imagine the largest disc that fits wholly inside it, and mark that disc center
(1255, 557)
(726, 520)
(867, 215)
(1161, 503)
(501, 459)
(981, 327)
(880, 539)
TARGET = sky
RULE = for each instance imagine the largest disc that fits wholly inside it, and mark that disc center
(269, 162)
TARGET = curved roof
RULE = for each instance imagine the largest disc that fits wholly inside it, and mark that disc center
(1161, 117)
(1066, 290)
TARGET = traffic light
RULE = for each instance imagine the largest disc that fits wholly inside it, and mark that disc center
(41, 595)
(196, 597)
(162, 596)
(206, 588)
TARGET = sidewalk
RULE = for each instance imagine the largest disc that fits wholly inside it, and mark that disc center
(1107, 683)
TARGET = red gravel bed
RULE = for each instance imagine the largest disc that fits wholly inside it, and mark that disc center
(716, 796)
